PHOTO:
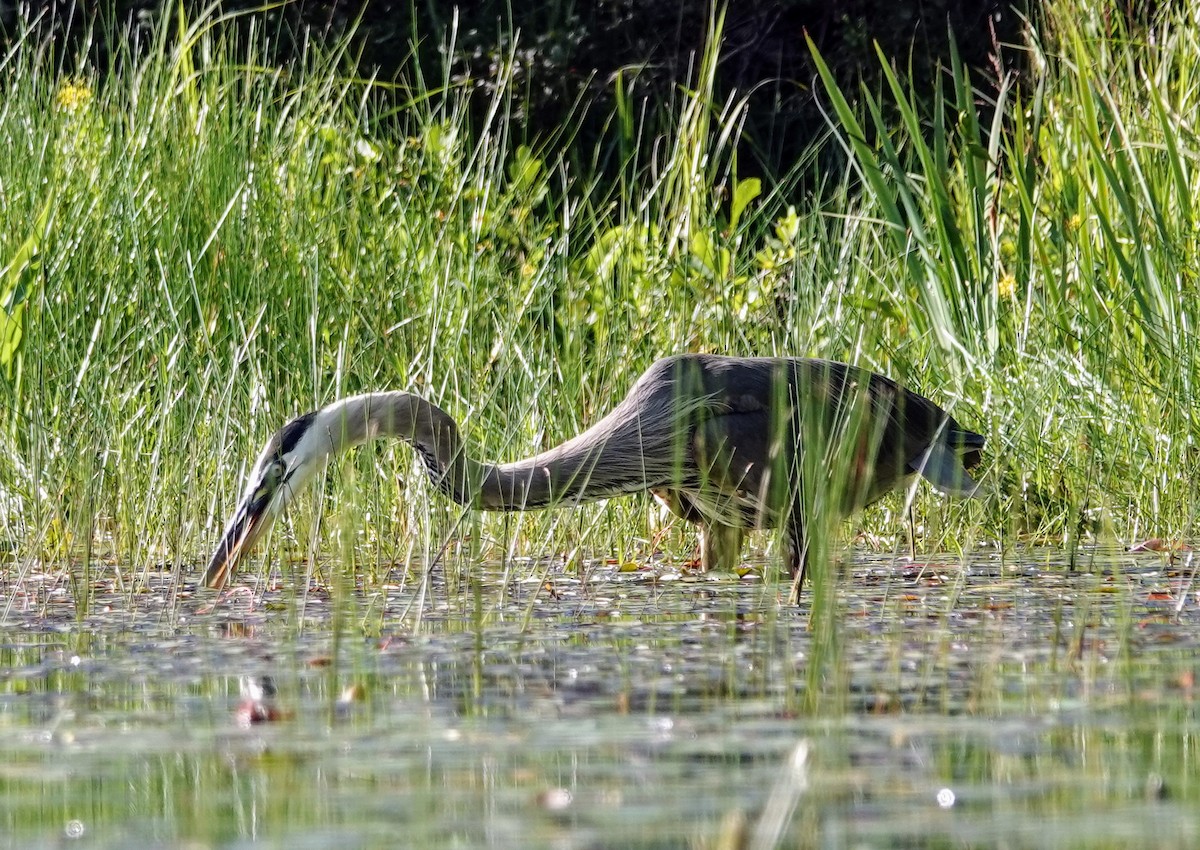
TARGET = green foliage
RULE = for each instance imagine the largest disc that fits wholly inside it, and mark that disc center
(1051, 256)
(200, 246)
(18, 277)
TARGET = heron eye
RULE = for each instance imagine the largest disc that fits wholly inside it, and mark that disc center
(269, 483)
(273, 474)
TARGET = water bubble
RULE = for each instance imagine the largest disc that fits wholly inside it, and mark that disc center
(945, 798)
(74, 829)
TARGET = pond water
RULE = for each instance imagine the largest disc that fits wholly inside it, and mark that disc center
(962, 704)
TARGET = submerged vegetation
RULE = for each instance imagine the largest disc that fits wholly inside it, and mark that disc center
(196, 246)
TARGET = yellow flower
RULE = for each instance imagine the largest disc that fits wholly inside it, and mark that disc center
(1007, 285)
(73, 95)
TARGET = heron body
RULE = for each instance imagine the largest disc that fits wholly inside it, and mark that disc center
(727, 443)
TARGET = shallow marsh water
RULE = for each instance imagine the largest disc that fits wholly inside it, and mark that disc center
(965, 706)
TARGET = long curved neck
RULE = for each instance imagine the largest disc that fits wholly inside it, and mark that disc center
(606, 460)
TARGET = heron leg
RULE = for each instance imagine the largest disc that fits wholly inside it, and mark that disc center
(796, 555)
(720, 546)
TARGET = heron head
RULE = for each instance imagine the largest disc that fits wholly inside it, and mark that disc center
(289, 460)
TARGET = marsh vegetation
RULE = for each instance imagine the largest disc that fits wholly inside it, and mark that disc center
(195, 245)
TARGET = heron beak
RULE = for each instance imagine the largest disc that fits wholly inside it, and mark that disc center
(253, 517)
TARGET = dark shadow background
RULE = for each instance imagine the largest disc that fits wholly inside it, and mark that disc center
(570, 53)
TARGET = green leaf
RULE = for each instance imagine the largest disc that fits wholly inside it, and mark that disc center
(526, 170)
(745, 192)
(15, 280)
(11, 332)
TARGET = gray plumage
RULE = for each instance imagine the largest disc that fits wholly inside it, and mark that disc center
(728, 443)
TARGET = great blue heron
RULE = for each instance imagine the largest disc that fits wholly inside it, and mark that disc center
(723, 442)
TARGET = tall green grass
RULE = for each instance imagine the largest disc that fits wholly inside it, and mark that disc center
(195, 246)
(1049, 250)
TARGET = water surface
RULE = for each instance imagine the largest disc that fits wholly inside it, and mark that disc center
(987, 705)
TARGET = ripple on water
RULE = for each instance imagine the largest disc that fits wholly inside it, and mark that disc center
(958, 704)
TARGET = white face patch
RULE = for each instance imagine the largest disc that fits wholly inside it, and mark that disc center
(303, 462)
(288, 462)
(268, 473)
(307, 444)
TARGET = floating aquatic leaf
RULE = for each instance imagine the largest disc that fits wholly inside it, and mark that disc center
(1157, 544)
